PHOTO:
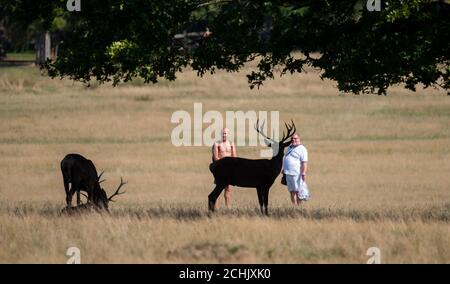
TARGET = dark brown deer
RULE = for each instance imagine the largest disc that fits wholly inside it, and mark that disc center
(242, 172)
(82, 175)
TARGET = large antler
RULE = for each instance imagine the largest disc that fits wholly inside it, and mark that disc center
(100, 176)
(291, 129)
(260, 130)
(117, 191)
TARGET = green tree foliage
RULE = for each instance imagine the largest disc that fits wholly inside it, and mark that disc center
(21, 20)
(120, 40)
(117, 40)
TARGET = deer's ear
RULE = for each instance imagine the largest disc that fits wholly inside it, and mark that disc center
(268, 143)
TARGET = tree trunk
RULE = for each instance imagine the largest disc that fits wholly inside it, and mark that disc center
(43, 47)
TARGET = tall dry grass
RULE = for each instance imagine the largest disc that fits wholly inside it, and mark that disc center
(378, 173)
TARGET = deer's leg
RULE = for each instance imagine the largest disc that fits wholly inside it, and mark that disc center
(212, 197)
(259, 191)
(266, 200)
(73, 188)
(67, 189)
(78, 198)
(90, 194)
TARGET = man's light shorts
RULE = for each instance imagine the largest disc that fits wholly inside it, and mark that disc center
(295, 183)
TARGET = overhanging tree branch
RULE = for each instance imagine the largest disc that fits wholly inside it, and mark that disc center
(362, 51)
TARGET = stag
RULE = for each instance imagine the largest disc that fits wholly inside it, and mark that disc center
(259, 174)
(81, 174)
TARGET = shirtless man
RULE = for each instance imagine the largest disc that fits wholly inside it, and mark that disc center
(224, 148)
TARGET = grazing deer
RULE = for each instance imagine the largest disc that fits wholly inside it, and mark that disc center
(82, 175)
(243, 172)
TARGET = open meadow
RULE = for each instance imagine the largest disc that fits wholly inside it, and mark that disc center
(379, 173)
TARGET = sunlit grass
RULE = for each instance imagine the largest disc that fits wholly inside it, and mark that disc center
(378, 173)
(27, 56)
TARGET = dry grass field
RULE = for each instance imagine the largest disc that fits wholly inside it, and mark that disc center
(378, 173)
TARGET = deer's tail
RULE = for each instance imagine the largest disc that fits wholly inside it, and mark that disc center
(66, 170)
(212, 167)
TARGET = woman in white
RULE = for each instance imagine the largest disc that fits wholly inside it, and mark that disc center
(295, 165)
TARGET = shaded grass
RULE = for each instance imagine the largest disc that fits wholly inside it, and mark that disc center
(188, 212)
(419, 112)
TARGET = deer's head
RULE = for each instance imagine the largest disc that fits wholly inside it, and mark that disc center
(285, 141)
(100, 197)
